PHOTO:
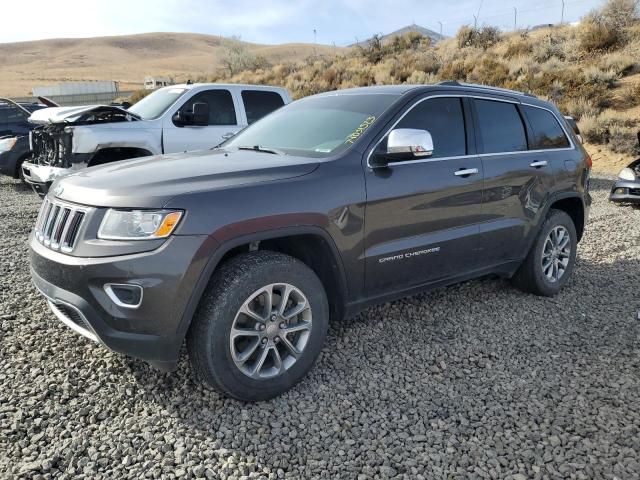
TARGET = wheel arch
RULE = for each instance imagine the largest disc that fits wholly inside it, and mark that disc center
(113, 154)
(573, 206)
(310, 244)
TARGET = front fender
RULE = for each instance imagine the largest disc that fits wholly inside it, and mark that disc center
(90, 139)
(217, 251)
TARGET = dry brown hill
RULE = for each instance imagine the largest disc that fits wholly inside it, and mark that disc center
(128, 58)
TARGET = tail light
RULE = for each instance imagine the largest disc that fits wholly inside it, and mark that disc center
(588, 162)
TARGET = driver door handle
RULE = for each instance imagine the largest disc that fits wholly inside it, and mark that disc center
(465, 172)
(538, 164)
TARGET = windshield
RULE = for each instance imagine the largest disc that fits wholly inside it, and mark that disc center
(316, 126)
(154, 105)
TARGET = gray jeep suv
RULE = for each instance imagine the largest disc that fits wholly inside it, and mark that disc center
(329, 205)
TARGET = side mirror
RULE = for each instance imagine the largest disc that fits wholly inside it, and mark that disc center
(404, 144)
(200, 114)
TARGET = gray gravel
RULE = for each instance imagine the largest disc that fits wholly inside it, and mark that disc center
(473, 381)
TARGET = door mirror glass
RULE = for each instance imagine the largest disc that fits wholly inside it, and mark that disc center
(404, 144)
(201, 114)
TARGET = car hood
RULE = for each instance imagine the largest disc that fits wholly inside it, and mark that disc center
(50, 115)
(150, 182)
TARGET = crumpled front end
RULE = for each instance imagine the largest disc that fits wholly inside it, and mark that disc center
(52, 145)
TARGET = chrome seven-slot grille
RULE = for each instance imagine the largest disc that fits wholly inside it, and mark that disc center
(58, 225)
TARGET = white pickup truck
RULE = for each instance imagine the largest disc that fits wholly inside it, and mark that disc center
(172, 119)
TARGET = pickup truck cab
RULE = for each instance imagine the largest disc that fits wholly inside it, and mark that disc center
(173, 119)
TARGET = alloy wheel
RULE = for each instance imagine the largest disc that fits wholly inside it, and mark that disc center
(556, 253)
(270, 331)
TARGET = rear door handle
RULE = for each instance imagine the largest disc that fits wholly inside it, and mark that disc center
(228, 135)
(538, 164)
(465, 172)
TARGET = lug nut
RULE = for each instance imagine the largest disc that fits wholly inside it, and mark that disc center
(273, 318)
(276, 340)
(264, 340)
(262, 326)
(282, 325)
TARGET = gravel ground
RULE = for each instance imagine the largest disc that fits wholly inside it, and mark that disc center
(473, 381)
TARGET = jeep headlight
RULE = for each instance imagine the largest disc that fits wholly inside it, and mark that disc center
(627, 174)
(7, 144)
(138, 224)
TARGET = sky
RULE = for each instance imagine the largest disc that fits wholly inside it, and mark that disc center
(273, 21)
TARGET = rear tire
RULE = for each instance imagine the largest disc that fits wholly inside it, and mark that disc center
(242, 315)
(551, 260)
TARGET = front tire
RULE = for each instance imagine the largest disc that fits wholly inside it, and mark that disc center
(260, 326)
(551, 260)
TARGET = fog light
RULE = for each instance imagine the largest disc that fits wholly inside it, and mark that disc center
(620, 191)
(124, 295)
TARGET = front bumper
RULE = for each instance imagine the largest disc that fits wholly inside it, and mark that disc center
(625, 191)
(154, 331)
(40, 177)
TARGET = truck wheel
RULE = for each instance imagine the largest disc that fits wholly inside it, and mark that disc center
(551, 260)
(259, 327)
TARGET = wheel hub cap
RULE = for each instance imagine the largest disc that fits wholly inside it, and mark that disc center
(556, 253)
(270, 331)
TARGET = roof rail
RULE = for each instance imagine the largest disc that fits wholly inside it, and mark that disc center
(455, 83)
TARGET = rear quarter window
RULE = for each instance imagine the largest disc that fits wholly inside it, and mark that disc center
(547, 132)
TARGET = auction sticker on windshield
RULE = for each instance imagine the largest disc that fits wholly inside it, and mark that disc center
(360, 130)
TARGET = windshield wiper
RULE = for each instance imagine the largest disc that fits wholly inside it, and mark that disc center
(259, 148)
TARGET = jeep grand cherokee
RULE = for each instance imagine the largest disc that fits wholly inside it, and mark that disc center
(333, 203)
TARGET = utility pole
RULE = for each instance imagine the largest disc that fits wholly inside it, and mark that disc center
(315, 36)
(440, 27)
(562, 16)
(515, 19)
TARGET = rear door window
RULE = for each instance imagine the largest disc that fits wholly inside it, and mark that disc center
(547, 132)
(501, 128)
(221, 109)
(443, 118)
(258, 103)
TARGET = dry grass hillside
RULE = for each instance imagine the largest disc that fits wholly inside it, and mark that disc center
(130, 58)
(590, 71)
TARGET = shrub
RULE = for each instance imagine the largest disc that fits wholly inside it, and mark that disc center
(605, 28)
(518, 46)
(237, 58)
(621, 63)
(483, 37)
(624, 140)
(629, 96)
(593, 130)
(373, 50)
(597, 36)
(579, 108)
(548, 49)
(594, 75)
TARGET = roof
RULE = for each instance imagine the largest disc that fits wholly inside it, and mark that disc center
(402, 89)
(222, 85)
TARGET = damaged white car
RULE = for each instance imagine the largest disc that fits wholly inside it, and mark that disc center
(173, 119)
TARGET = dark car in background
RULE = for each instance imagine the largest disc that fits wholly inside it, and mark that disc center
(14, 134)
(14, 117)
